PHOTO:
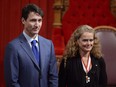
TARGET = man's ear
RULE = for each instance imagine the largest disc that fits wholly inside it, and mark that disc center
(23, 20)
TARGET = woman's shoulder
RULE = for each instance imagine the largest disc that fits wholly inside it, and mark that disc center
(73, 58)
(100, 60)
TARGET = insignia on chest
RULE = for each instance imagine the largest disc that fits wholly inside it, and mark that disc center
(87, 79)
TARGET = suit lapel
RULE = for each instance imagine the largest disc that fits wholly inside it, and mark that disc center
(42, 52)
(26, 47)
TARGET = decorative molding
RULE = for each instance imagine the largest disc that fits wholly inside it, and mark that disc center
(60, 7)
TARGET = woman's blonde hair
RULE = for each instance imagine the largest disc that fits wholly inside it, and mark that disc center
(72, 47)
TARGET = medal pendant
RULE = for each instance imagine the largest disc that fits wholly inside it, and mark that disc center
(87, 79)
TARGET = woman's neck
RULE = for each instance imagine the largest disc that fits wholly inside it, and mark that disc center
(85, 54)
(85, 57)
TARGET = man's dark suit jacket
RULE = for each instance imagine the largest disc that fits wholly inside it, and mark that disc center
(21, 68)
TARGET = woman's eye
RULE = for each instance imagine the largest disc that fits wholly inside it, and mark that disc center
(85, 40)
(91, 40)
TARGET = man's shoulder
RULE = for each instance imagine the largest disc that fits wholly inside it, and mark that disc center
(14, 41)
(44, 39)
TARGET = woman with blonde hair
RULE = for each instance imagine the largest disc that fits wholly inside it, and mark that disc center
(82, 64)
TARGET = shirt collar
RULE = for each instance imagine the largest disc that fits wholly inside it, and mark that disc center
(29, 39)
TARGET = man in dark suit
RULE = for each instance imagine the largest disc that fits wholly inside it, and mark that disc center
(21, 68)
